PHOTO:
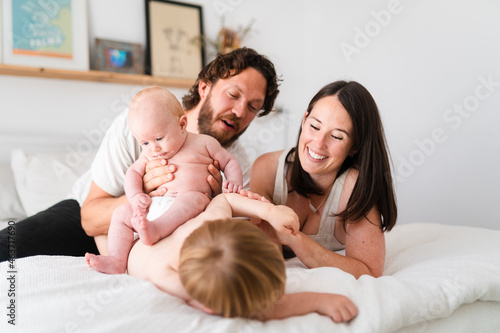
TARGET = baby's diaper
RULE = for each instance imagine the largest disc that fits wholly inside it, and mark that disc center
(158, 206)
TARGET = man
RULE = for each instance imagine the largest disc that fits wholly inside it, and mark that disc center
(228, 94)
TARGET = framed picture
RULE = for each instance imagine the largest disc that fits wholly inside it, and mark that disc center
(113, 56)
(1, 43)
(51, 34)
(172, 31)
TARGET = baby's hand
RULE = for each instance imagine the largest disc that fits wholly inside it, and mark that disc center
(338, 307)
(231, 187)
(140, 202)
(283, 219)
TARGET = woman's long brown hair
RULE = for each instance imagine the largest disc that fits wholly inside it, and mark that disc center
(374, 186)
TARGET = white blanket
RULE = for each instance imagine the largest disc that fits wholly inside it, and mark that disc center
(437, 278)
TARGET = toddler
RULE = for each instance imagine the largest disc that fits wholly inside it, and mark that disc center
(230, 267)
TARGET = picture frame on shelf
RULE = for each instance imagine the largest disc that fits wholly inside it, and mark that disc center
(172, 32)
(120, 57)
(54, 36)
(1, 28)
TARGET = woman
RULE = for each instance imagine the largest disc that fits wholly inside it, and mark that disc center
(338, 181)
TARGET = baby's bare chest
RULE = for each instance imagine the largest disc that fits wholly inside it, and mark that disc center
(192, 171)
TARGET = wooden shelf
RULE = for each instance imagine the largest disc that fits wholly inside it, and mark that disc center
(93, 75)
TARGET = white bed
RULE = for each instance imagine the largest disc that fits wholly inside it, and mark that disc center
(438, 278)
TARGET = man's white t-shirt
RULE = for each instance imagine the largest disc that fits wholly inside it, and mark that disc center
(119, 150)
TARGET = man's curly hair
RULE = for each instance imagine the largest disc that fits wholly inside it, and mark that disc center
(231, 64)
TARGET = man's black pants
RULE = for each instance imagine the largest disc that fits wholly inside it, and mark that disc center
(55, 231)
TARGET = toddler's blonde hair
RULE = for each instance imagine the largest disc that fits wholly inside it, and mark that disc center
(232, 268)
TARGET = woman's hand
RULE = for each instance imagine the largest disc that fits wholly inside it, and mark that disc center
(288, 238)
(284, 220)
(158, 172)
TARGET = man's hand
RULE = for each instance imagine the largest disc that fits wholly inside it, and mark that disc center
(215, 179)
(158, 172)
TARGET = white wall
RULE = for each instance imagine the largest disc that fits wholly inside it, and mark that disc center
(423, 60)
(430, 58)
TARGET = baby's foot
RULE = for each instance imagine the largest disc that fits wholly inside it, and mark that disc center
(138, 220)
(105, 264)
(147, 231)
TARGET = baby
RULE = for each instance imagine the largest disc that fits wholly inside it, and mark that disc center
(230, 267)
(158, 123)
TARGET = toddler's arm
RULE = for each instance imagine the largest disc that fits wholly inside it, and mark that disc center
(338, 307)
(282, 218)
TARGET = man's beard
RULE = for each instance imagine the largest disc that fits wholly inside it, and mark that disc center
(206, 121)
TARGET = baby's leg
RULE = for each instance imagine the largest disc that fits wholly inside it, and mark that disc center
(185, 206)
(120, 239)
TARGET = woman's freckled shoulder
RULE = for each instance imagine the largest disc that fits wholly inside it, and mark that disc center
(350, 180)
(266, 163)
(269, 157)
(352, 175)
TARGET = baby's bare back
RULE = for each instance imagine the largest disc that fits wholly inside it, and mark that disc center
(192, 162)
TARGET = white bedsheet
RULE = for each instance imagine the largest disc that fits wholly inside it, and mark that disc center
(437, 279)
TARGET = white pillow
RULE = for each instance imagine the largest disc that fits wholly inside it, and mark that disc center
(10, 205)
(44, 179)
